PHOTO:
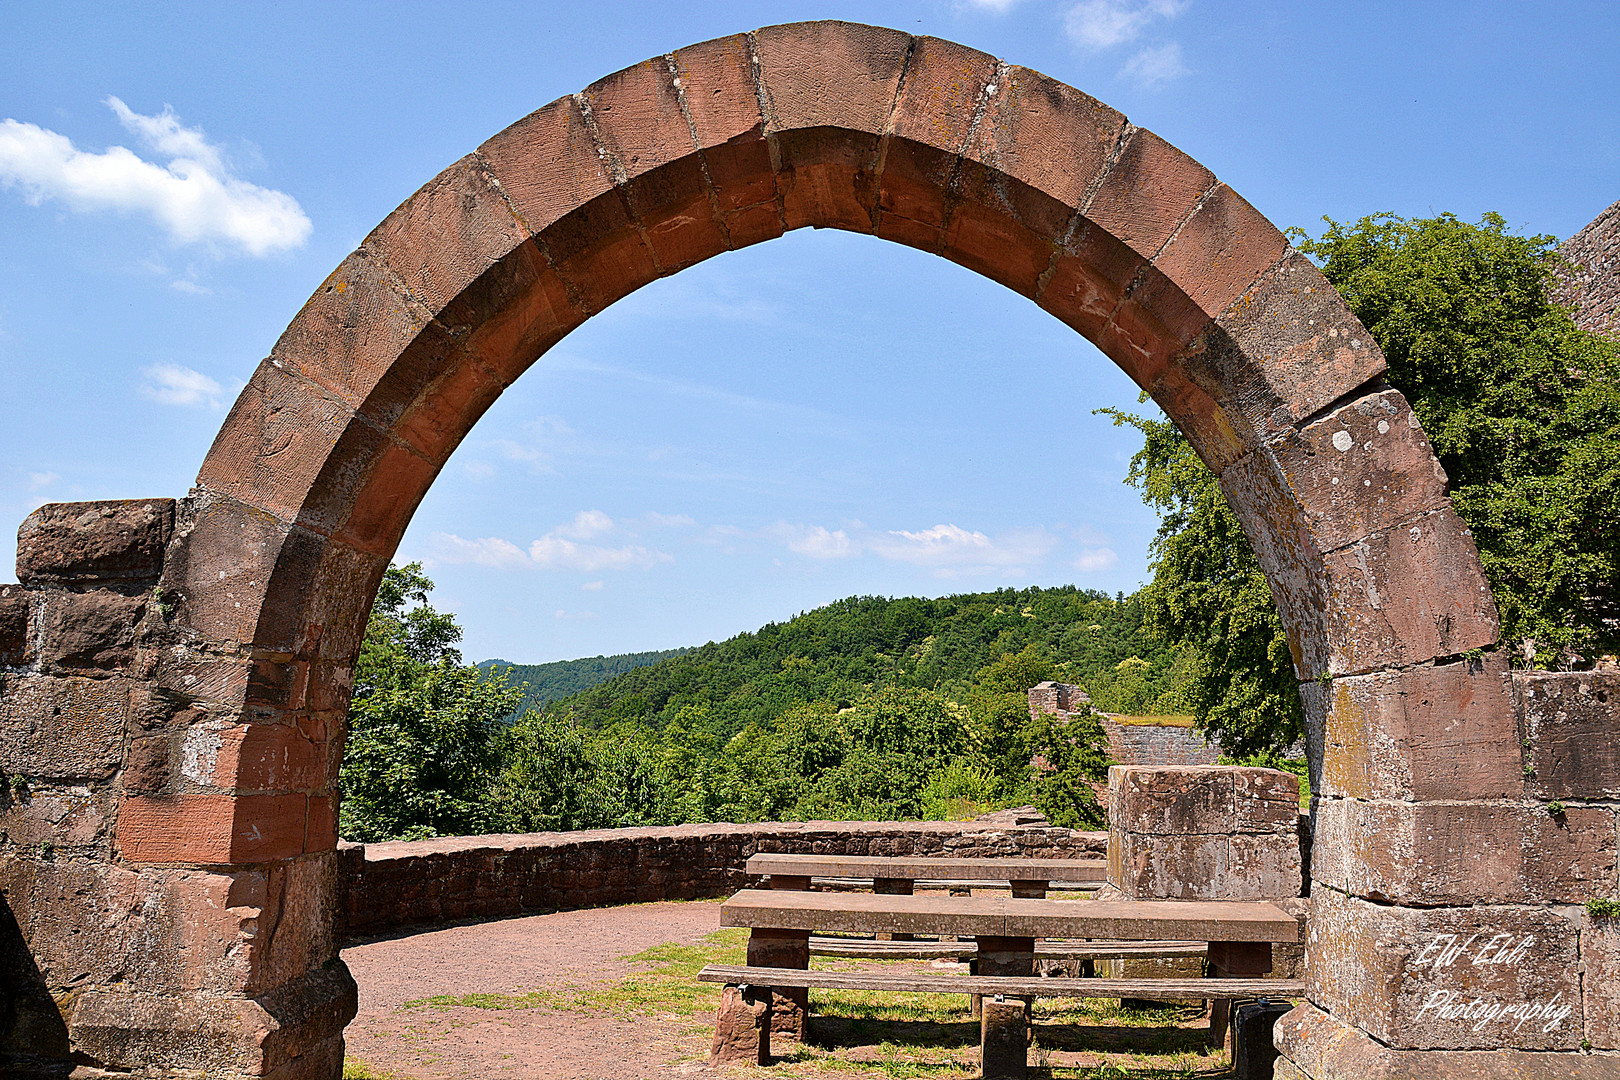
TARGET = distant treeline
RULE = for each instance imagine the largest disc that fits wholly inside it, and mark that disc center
(544, 683)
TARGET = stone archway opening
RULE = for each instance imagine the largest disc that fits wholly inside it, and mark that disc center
(216, 873)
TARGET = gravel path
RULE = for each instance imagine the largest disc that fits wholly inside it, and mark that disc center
(514, 956)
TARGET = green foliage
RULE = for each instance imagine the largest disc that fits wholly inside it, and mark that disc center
(1523, 410)
(1070, 757)
(1603, 908)
(1522, 407)
(1209, 597)
(425, 733)
(545, 683)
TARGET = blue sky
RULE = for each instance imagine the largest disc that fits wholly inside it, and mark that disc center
(818, 416)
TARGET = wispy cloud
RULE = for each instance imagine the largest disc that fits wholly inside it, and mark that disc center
(671, 521)
(952, 551)
(817, 541)
(1156, 65)
(565, 547)
(1097, 26)
(38, 480)
(172, 384)
(194, 195)
(1091, 560)
(997, 7)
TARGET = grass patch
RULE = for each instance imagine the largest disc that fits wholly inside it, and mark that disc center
(669, 989)
(359, 1070)
(1173, 720)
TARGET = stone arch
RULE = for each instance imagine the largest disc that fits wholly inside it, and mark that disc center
(301, 502)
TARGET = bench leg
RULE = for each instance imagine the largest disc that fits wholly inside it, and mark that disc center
(1233, 960)
(893, 887)
(1004, 1044)
(790, 1006)
(975, 1002)
(1003, 1022)
(742, 1032)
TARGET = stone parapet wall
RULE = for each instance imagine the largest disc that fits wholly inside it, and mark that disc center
(419, 883)
(1592, 284)
(1157, 744)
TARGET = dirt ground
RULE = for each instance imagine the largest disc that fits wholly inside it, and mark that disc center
(515, 956)
(553, 996)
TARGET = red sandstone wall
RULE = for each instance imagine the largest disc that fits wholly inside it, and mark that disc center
(1593, 285)
(422, 882)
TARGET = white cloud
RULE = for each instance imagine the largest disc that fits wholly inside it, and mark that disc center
(195, 196)
(1096, 25)
(490, 551)
(586, 524)
(998, 7)
(1092, 559)
(1156, 64)
(37, 480)
(951, 550)
(558, 553)
(593, 586)
(819, 542)
(173, 384)
(671, 521)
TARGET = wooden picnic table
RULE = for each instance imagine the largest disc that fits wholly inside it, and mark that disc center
(1239, 936)
(899, 875)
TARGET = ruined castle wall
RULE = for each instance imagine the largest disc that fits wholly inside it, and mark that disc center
(1592, 287)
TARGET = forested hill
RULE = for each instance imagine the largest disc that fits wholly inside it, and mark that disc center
(545, 683)
(846, 650)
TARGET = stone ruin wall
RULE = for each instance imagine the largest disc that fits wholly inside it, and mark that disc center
(1128, 744)
(1592, 285)
(420, 883)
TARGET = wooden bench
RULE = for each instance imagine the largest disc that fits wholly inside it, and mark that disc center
(899, 875)
(1238, 936)
(862, 948)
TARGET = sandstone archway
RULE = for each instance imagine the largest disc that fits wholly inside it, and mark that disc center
(300, 504)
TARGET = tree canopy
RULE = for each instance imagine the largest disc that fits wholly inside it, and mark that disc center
(1523, 410)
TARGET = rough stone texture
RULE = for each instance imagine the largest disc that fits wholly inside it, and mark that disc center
(1569, 722)
(1592, 285)
(95, 629)
(15, 647)
(1464, 852)
(1436, 731)
(116, 541)
(62, 728)
(1129, 743)
(741, 1035)
(1316, 1046)
(422, 882)
(1377, 967)
(1600, 953)
(1203, 833)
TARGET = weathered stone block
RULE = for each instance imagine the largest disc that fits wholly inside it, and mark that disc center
(72, 819)
(1600, 952)
(15, 647)
(62, 728)
(118, 541)
(1316, 1046)
(1447, 978)
(212, 828)
(1570, 724)
(1431, 732)
(1169, 867)
(95, 629)
(1213, 800)
(1464, 853)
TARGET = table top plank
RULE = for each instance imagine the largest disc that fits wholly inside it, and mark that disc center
(1000, 916)
(919, 868)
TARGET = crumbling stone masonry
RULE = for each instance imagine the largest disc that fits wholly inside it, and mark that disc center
(1592, 286)
(1128, 743)
(170, 864)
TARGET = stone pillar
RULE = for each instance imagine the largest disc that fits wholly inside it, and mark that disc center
(167, 869)
(1004, 1031)
(1456, 839)
(1206, 832)
(790, 1005)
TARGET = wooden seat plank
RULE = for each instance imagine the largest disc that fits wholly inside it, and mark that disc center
(989, 985)
(869, 949)
(1123, 920)
(922, 868)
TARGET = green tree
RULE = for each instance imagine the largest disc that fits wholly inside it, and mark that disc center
(425, 733)
(1208, 595)
(1523, 409)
